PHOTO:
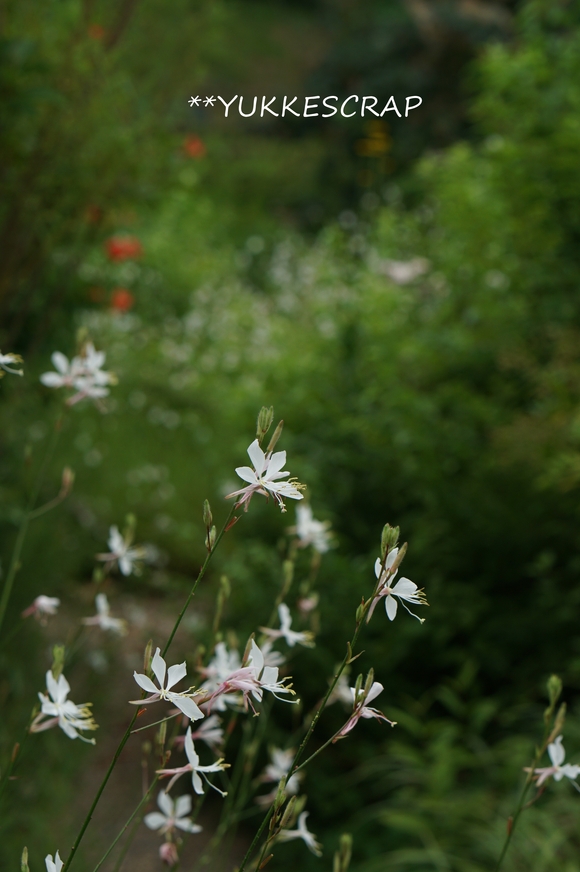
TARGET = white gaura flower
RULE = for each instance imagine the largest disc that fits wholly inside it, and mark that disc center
(172, 815)
(42, 606)
(310, 531)
(265, 477)
(53, 865)
(302, 832)
(279, 767)
(5, 360)
(194, 767)
(362, 710)
(291, 637)
(83, 374)
(404, 590)
(253, 679)
(222, 664)
(557, 771)
(62, 711)
(103, 617)
(183, 701)
(126, 556)
(209, 731)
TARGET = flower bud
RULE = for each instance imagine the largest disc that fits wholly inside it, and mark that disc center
(57, 661)
(280, 798)
(357, 688)
(161, 735)
(265, 861)
(207, 515)
(24, 861)
(147, 656)
(168, 854)
(558, 723)
(210, 538)
(67, 481)
(360, 612)
(369, 681)
(288, 813)
(343, 855)
(389, 539)
(276, 435)
(265, 418)
(554, 689)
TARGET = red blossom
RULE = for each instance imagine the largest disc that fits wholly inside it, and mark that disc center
(123, 248)
(194, 147)
(122, 300)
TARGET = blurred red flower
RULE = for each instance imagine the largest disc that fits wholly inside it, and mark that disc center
(122, 300)
(194, 147)
(123, 248)
(97, 32)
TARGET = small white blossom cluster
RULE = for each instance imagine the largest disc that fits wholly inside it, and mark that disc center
(83, 374)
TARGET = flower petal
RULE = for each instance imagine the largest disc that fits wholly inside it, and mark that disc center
(159, 667)
(187, 706)
(175, 674)
(257, 457)
(391, 607)
(145, 682)
(182, 805)
(165, 803)
(154, 820)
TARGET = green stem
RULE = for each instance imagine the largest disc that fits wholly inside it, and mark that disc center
(519, 808)
(129, 729)
(16, 754)
(129, 821)
(15, 561)
(294, 768)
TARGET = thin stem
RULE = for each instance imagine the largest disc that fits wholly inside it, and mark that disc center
(305, 740)
(519, 808)
(129, 821)
(129, 729)
(15, 561)
(16, 754)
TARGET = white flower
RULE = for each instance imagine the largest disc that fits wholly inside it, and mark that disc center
(172, 815)
(310, 531)
(128, 558)
(291, 637)
(194, 767)
(42, 605)
(69, 716)
(362, 710)
(264, 478)
(210, 731)
(222, 665)
(341, 692)
(302, 832)
(83, 373)
(405, 590)
(556, 770)
(53, 865)
(183, 701)
(5, 359)
(252, 678)
(103, 617)
(279, 767)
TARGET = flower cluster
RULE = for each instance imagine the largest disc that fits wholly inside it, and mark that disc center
(83, 374)
(56, 709)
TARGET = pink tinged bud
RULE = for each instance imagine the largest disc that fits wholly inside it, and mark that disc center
(168, 854)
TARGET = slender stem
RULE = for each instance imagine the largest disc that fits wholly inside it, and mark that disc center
(305, 740)
(129, 821)
(519, 807)
(129, 729)
(15, 561)
(16, 754)
(198, 579)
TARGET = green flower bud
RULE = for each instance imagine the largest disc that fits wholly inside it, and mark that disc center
(389, 539)
(265, 418)
(207, 515)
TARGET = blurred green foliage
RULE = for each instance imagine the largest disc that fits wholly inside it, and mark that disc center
(425, 359)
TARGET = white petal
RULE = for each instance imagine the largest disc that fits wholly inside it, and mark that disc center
(165, 803)
(405, 588)
(188, 826)
(556, 752)
(145, 682)
(182, 805)
(256, 659)
(391, 607)
(190, 751)
(51, 380)
(175, 674)
(60, 362)
(102, 604)
(159, 667)
(247, 474)
(285, 618)
(376, 688)
(197, 782)
(154, 820)
(277, 462)
(187, 706)
(257, 457)
(378, 565)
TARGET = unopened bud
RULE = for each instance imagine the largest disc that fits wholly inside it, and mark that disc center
(168, 854)
(343, 855)
(265, 861)
(369, 681)
(389, 539)
(147, 656)
(24, 861)
(161, 735)
(207, 515)
(357, 688)
(265, 418)
(288, 813)
(558, 723)
(360, 612)
(276, 435)
(210, 538)
(57, 661)
(280, 798)
(554, 688)
(67, 481)
(248, 648)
